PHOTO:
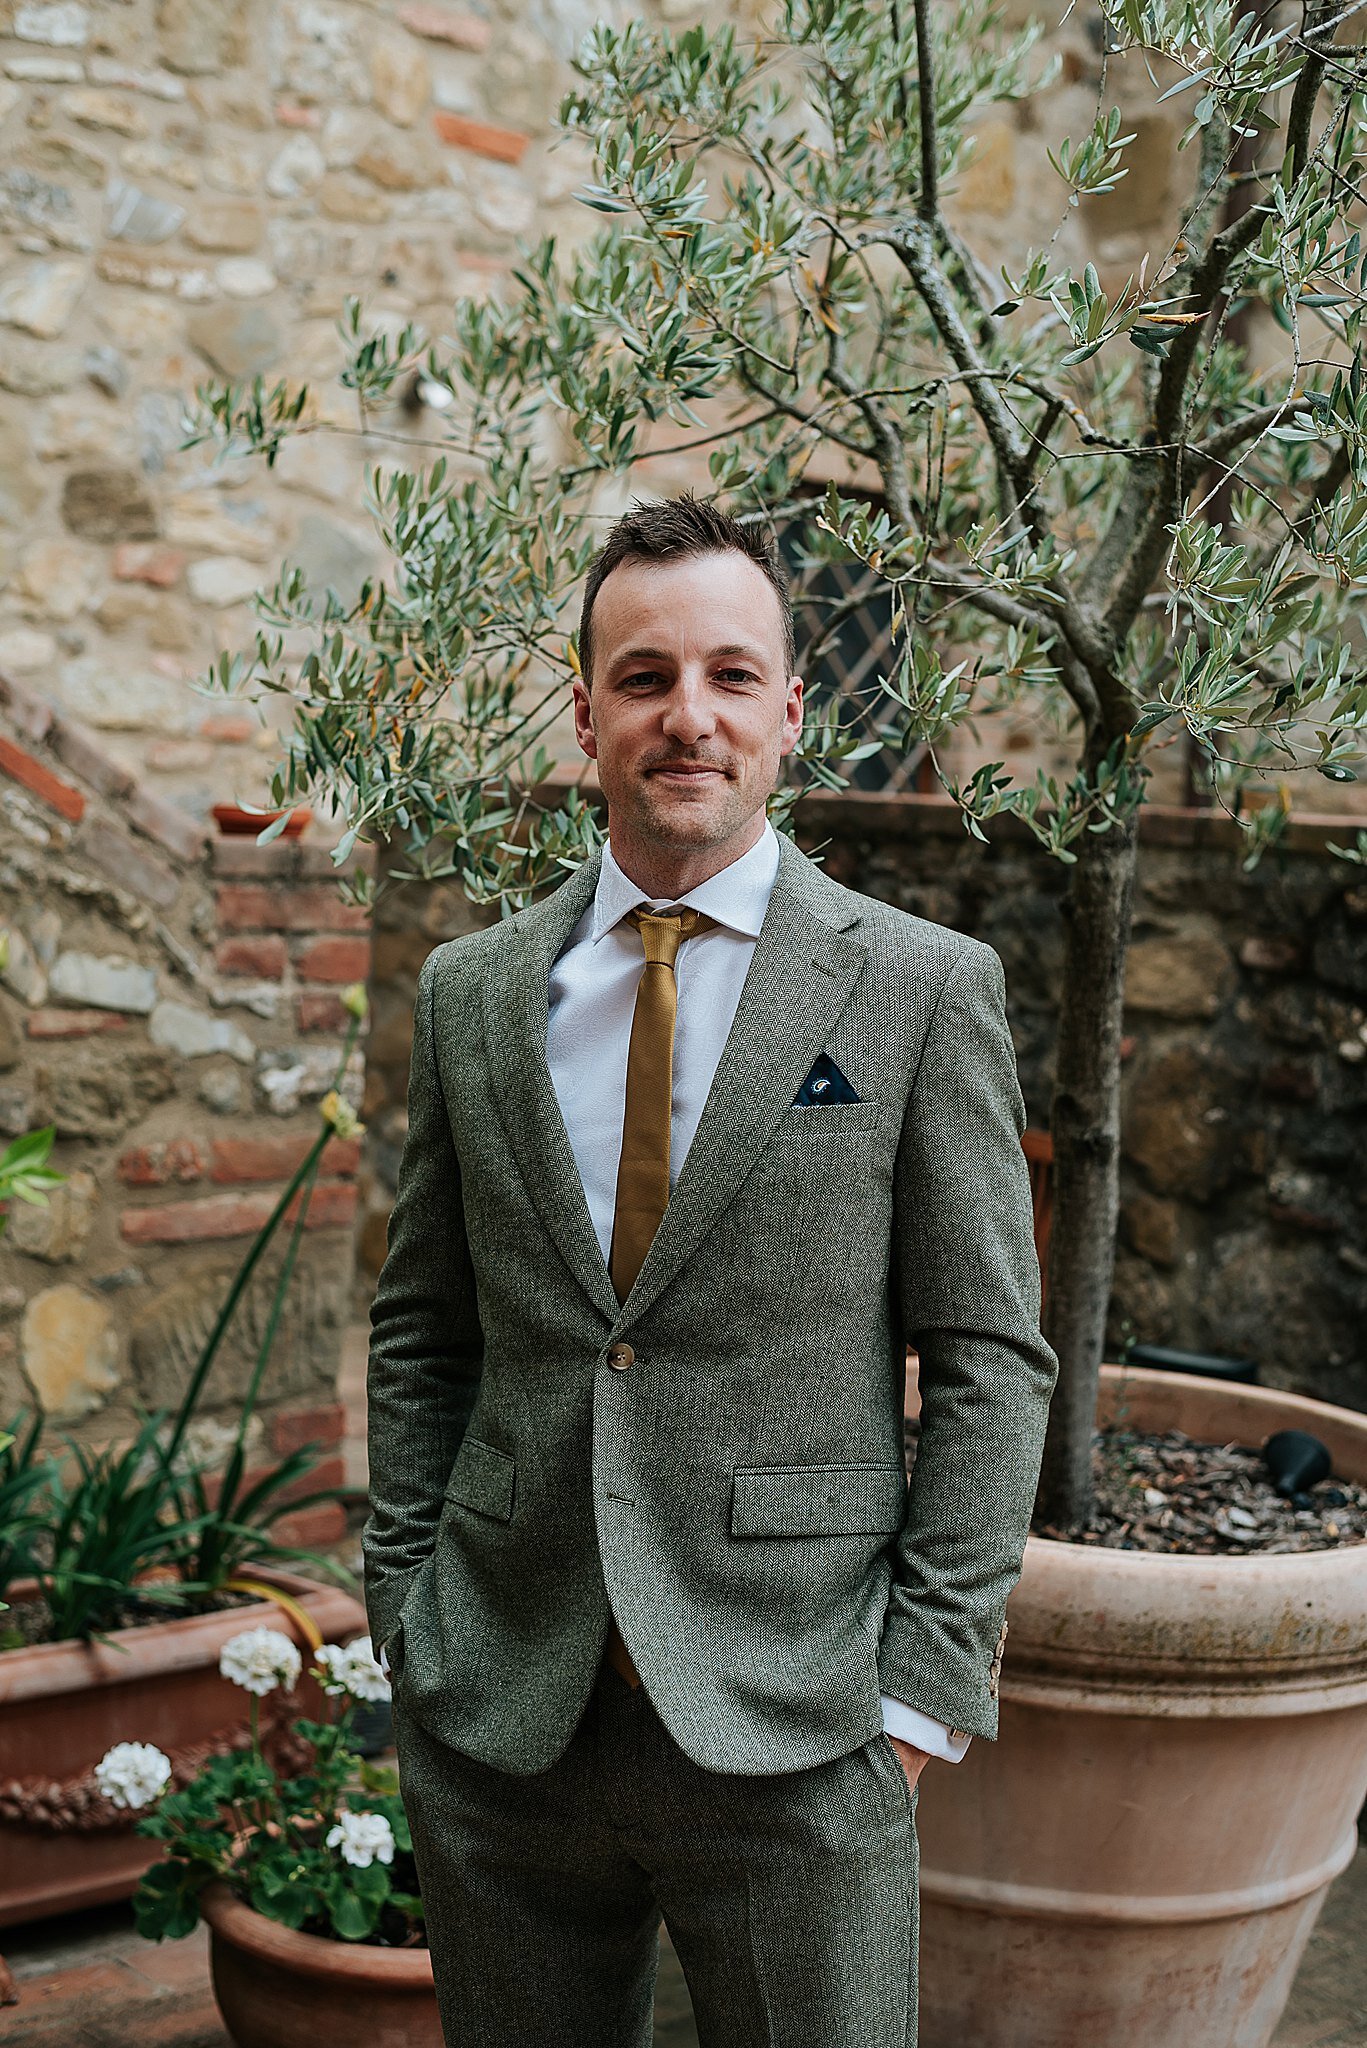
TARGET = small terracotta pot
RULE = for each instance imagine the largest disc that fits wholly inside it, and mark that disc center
(279, 1989)
(62, 1705)
(1138, 1860)
(235, 823)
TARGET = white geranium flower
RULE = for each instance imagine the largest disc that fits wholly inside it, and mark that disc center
(368, 1681)
(353, 1671)
(363, 1838)
(259, 1660)
(133, 1774)
(333, 1662)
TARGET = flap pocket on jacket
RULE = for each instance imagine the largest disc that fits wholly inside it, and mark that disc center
(819, 1500)
(482, 1478)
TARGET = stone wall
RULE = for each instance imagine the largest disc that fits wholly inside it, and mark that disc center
(1244, 1216)
(1244, 1225)
(190, 189)
(410, 919)
(172, 1004)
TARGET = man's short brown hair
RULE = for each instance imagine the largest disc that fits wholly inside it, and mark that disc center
(670, 531)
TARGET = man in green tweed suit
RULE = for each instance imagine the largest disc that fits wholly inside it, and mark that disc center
(697, 1145)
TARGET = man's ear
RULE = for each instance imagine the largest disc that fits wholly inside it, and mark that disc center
(792, 729)
(583, 719)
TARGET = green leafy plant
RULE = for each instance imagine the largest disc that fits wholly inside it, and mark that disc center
(25, 1175)
(1091, 503)
(24, 1477)
(325, 1849)
(230, 1519)
(139, 1525)
(111, 1537)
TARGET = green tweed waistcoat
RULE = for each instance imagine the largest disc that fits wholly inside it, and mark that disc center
(720, 1455)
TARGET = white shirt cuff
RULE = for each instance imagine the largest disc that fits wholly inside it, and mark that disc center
(908, 1724)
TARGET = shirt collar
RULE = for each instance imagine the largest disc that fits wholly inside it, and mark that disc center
(737, 895)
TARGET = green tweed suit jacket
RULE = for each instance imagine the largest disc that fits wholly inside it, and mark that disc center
(721, 1454)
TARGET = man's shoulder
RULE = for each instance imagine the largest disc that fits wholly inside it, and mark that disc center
(905, 935)
(466, 951)
(541, 925)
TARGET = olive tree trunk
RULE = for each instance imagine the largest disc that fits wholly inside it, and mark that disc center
(1085, 1127)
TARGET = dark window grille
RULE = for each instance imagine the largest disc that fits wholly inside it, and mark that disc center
(843, 616)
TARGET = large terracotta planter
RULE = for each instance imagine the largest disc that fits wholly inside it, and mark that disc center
(1138, 1861)
(279, 1989)
(62, 1705)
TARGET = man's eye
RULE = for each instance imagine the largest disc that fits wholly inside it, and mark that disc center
(735, 675)
(643, 676)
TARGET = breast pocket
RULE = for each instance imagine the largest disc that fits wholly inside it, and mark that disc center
(483, 1479)
(831, 1119)
(818, 1500)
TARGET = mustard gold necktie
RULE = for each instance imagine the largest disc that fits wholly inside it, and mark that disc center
(643, 1170)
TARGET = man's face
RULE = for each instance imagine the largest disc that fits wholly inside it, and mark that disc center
(692, 708)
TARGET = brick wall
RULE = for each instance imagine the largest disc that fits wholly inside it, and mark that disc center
(172, 1003)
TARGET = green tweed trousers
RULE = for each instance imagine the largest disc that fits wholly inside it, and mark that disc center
(791, 1898)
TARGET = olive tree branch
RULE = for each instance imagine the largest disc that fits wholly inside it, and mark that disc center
(1158, 486)
(928, 203)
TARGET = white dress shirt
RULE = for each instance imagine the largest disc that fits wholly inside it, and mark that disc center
(592, 994)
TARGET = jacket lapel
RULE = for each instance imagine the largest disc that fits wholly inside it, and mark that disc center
(801, 976)
(516, 1016)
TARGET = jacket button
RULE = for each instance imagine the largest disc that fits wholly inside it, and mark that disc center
(620, 1357)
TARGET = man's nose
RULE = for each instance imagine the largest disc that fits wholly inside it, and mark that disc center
(688, 710)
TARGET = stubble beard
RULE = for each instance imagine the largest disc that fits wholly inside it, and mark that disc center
(679, 820)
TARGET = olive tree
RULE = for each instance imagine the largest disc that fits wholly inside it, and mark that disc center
(1087, 499)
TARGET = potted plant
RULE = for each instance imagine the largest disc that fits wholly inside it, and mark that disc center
(300, 1861)
(239, 821)
(1078, 494)
(1182, 1750)
(127, 1568)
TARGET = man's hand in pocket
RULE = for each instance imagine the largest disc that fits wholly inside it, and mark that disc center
(912, 1759)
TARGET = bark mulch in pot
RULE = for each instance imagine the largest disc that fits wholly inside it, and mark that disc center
(1165, 1491)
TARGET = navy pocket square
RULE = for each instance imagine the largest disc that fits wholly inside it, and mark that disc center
(825, 1084)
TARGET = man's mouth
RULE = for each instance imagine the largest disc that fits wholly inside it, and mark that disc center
(684, 770)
